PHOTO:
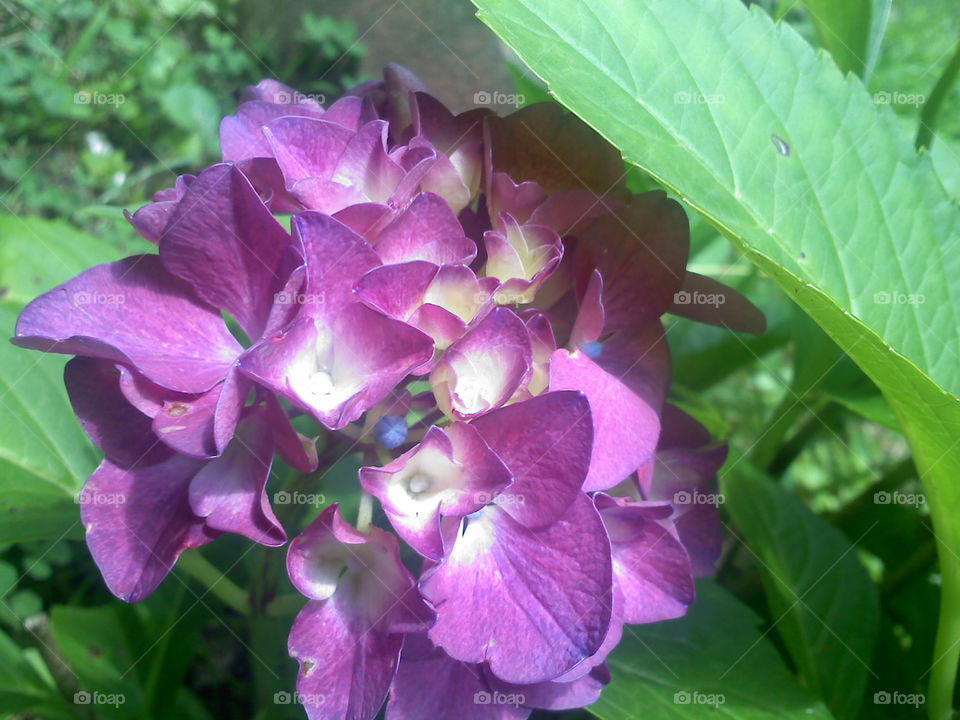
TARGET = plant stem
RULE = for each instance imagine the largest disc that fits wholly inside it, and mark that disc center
(934, 104)
(218, 584)
(946, 651)
(365, 513)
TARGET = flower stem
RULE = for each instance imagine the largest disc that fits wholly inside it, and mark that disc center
(217, 584)
(365, 513)
(946, 652)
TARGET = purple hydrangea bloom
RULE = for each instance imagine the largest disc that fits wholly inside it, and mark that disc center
(472, 305)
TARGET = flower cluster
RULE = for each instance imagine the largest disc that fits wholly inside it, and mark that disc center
(475, 303)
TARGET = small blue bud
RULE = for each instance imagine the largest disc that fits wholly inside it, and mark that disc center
(390, 431)
(592, 349)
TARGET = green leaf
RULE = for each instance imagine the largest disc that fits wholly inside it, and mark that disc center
(823, 602)
(795, 164)
(44, 454)
(92, 642)
(670, 670)
(851, 31)
(21, 686)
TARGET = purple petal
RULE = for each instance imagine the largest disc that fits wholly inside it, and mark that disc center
(650, 566)
(430, 684)
(230, 492)
(346, 665)
(113, 424)
(138, 520)
(483, 369)
(532, 603)
(338, 371)
(307, 147)
(545, 442)
(336, 258)
(427, 229)
(293, 448)
(625, 428)
(241, 135)
(707, 300)
(151, 219)
(559, 695)
(134, 312)
(451, 473)
(641, 252)
(224, 241)
(521, 257)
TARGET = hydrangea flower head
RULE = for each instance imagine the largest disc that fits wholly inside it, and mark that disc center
(473, 304)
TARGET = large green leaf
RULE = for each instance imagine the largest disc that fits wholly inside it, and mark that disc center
(44, 454)
(824, 604)
(711, 663)
(851, 30)
(795, 164)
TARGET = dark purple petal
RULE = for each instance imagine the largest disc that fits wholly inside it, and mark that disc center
(546, 443)
(641, 251)
(431, 684)
(293, 448)
(230, 492)
(113, 424)
(559, 695)
(138, 521)
(151, 219)
(224, 241)
(545, 143)
(625, 428)
(532, 603)
(707, 300)
(134, 312)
